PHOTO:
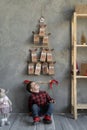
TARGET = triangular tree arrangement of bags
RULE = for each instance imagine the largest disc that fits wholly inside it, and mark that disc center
(41, 57)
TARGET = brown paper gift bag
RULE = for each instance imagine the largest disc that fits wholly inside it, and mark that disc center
(45, 40)
(42, 31)
(38, 68)
(43, 55)
(45, 68)
(31, 68)
(36, 38)
(49, 56)
(51, 69)
(33, 56)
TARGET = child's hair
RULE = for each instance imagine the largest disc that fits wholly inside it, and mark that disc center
(28, 87)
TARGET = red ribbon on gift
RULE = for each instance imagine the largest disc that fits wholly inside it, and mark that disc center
(52, 82)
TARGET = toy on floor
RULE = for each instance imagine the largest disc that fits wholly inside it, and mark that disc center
(5, 108)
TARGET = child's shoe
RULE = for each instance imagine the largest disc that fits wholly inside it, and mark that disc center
(47, 119)
(36, 120)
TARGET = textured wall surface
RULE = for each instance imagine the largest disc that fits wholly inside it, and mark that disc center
(18, 18)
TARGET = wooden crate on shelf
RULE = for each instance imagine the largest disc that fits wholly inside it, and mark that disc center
(81, 9)
(83, 69)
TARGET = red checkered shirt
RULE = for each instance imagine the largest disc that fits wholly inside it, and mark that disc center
(41, 99)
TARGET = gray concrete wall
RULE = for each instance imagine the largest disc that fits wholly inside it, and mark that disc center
(18, 18)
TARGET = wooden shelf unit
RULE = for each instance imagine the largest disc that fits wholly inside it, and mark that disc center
(74, 78)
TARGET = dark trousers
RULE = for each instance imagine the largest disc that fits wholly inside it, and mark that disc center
(46, 110)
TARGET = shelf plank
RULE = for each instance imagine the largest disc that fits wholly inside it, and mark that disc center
(81, 45)
(81, 76)
(81, 15)
(81, 106)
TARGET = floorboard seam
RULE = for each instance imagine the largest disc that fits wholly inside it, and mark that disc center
(13, 122)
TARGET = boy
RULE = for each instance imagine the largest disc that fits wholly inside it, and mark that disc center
(39, 103)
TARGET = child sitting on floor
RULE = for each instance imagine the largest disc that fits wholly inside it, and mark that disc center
(40, 103)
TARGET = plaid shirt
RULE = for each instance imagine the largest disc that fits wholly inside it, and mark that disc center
(41, 99)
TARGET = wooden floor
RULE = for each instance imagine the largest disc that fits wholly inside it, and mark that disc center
(59, 122)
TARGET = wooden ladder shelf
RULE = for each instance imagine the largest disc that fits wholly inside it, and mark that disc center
(74, 105)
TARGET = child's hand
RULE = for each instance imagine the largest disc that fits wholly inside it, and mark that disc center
(52, 101)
